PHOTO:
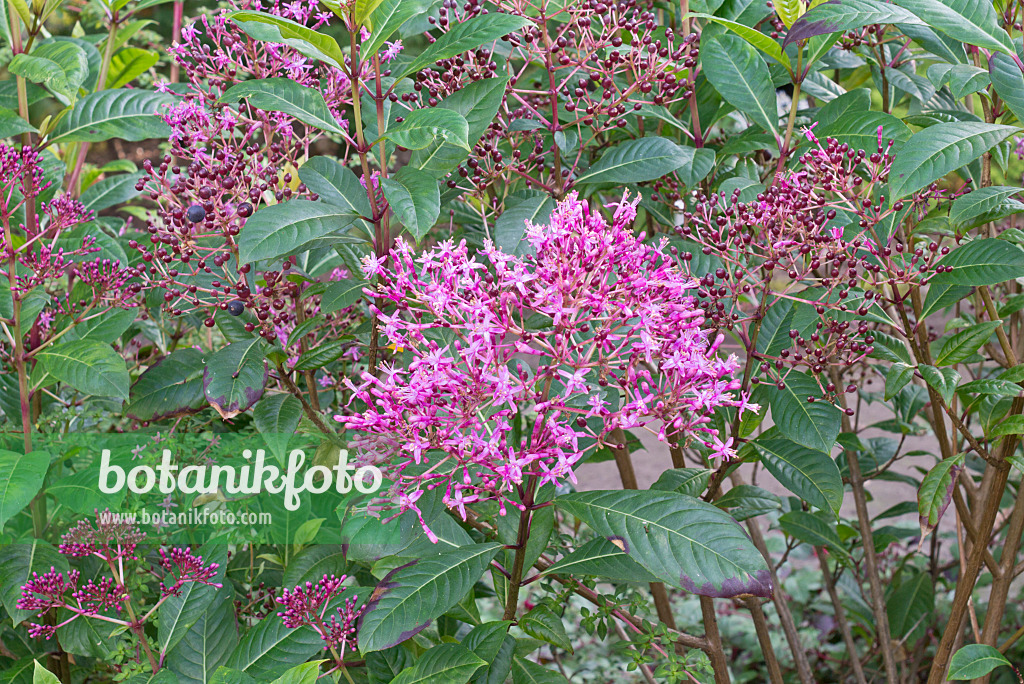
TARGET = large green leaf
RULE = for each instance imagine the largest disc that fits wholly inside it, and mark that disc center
(411, 596)
(935, 151)
(814, 425)
(1008, 81)
(741, 77)
(759, 40)
(122, 113)
(335, 184)
(285, 95)
(988, 261)
(270, 645)
(414, 199)
(442, 664)
(683, 541)
(89, 366)
(962, 345)
(21, 476)
(235, 377)
(985, 205)
(422, 127)
(478, 102)
(810, 474)
(974, 661)
(180, 612)
(128, 64)
(833, 17)
(910, 606)
(208, 642)
(601, 558)
(636, 161)
(171, 387)
(293, 227)
(17, 563)
(467, 35)
(969, 21)
(274, 29)
(60, 66)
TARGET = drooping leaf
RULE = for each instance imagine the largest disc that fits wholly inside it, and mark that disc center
(89, 366)
(639, 160)
(234, 377)
(683, 541)
(285, 95)
(173, 386)
(896, 378)
(414, 199)
(60, 66)
(386, 18)
(937, 150)
(1008, 81)
(987, 261)
(274, 29)
(936, 492)
(741, 77)
(128, 64)
(467, 35)
(942, 380)
(292, 227)
(127, 114)
(21, 477)
(845, 15)
(759, 40)
(812, 475)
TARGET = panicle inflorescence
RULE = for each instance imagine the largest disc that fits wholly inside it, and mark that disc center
(594, 332)
(310, 605)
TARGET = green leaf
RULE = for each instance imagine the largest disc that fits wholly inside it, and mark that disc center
(341, 295)
(276, 416)
(478, 102)
(11, 124)
(747, 501)
(1008, 82)
(683, 541)
(1013, 425)
(528, 672)
(411, 596)
(814, 425)
(810, 474)
(208, 642)
(759, 40)
(835, 17)
(788, 10)
(173, 386)
(968, 21)
(414, 199)
(1003, 388)
(812, 529)
(965, 343)
(17, 563)
(936, 491)
(386, 18)
(319, 357)
(974, 661)
(896, 378)
(286, 96)
(542, 623)
(127, 114)
(362, 10)
(21, 477)
(636, 161)
(422, 126)
(235, 377)
(269, 644)
(984, 205)
(128, 64)
(741, 77)
(937, 150)
(467, 35)
(510, 228)
(336, 184)
(604, 559)
(690, 481)
(987, 261)
(913, 600)
(89, 366)
(293, 227)
(442, 664)
(942, 380)
(110, 191)
(60, 66)
(40, 675)
(274, 29)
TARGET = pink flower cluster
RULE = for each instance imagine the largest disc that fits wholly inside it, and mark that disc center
(308, 605)
(597, 331)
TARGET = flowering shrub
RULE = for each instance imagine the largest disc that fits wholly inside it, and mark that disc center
(486, 247)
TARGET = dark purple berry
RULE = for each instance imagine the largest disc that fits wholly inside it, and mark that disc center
(236, 307)
(196, 213)
(245, 210)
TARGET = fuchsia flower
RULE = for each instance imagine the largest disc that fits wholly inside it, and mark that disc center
(608, 323)
(309, 604)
